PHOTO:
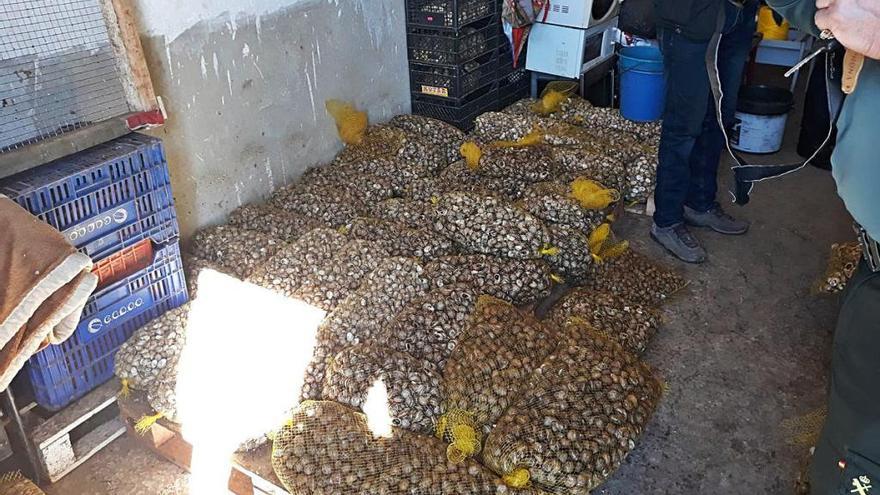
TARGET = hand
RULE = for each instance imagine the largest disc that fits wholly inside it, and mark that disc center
(855, 24)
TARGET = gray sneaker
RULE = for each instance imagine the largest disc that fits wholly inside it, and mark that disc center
(679, 241)
(717, 220)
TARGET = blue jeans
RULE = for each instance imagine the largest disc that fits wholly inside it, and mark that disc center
(691, 141)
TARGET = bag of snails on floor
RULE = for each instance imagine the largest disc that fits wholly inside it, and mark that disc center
(385, 141)
(413, 385)
(460, 177)
(237, 251)
(517, 281)
(329, 448)
(400, 240)
(429, 326)
(141, 359)
(328, 284)
(581, 204)
(272, 221)
(629, 324)
(634, 277)
(333, 206)
(842, 264)
(585, 408)
(527, 158)
(365, 187)
(490, 225)
(487, 371)
(286, 270)
(362, 315)
(443, 136)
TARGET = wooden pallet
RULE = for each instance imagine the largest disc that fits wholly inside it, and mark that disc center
(71, 436)
(251, 472)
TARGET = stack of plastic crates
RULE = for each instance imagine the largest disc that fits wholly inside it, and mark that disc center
(114, 203)
(453, 58)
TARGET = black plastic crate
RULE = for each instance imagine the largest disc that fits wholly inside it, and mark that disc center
(460, 113)
(453, 81)
(437, 46)
(448, 14)
(513, 87)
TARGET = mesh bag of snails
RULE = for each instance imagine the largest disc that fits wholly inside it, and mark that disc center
(525, 159)
(629, 324)
(441, 135)
(385, 141)
(363, 315)
(585, 408)
(413, 385)
(636, 278)
(571, 257)
(490, 225)
(842, 264)
(162, 398)
(398, 172)
(289, 267)
(272, 221)
(236, 250)
(487, 371)
(408, 212)
(328, 448)
(429, 326)
(400, 240)
(580, 204)
(332, 206)
(517, 281)
(460, 177)
(151, 349)
(364, 187)
(582, 161)
(327, 284)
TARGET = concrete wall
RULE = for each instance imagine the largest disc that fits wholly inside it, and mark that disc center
(244, 83)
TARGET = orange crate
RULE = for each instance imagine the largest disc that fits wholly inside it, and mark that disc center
(124, 263)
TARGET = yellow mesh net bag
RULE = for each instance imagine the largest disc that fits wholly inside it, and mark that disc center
(842, 264)
(603, 246)
(593, 195)
(15, 483)
(586, 407)
(629, 324)
(553, 96)
(635, 278)
(328, 448)
(487, 371)
(350, 122)
(413, 386)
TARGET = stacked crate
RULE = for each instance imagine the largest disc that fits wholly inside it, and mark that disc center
(453, 58)
(114, 203)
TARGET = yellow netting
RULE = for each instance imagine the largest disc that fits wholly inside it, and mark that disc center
(635, 278)
(144, 424)
(15, 483)
(593, 195)
(555, 93)
(586, 406)
(631, 325)
(461, 431)
(804, 430)
(350, 122)
(602, 246)
(533, 138)
(472, 154)
(327, 448)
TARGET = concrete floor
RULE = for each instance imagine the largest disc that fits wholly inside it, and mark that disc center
(743, 349)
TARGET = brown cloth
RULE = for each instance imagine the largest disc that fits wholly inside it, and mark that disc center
(44, 285)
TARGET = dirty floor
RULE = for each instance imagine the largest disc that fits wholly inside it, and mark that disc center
(744, 350)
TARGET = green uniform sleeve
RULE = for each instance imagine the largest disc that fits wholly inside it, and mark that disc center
(800, 13)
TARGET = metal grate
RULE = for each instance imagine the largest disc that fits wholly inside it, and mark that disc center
(58, 70)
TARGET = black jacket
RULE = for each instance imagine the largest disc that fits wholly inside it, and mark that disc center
(695, 19)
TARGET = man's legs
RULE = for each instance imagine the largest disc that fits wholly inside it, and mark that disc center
(854, 392)
(687, 93)
(703, 189)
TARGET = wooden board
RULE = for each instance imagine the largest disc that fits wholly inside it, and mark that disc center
(76, 433)
(251, 472)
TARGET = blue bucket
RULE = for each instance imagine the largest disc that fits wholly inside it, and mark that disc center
(642, 84)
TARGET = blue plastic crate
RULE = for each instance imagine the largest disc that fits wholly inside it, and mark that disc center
(105, 198)
(60, 374)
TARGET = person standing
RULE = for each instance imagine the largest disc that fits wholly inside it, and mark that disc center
(847, 455)
(691, 140)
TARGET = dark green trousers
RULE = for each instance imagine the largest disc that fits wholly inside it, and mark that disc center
(853, 425)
